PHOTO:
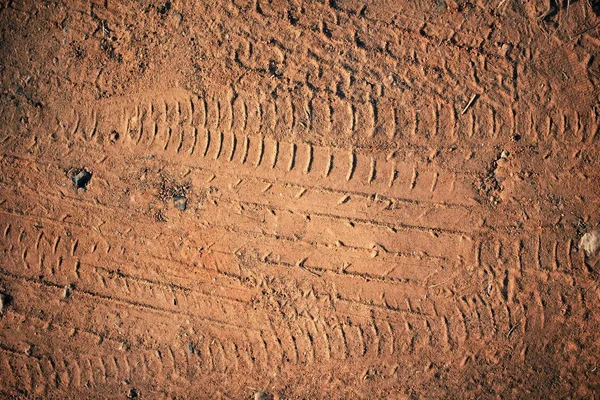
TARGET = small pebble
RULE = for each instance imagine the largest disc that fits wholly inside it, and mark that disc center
(5, 300)
(132, 394)
(180, 203)
(590, 243)
(505, 50)
(81, 179)
(261, 396)
(114, 136)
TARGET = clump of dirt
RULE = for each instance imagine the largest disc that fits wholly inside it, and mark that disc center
(497, 179)
(169, 190)
(171, 193)
(207, 193)
(580, 227)
(489, 185)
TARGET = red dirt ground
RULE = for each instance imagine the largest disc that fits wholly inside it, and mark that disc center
(299, 200)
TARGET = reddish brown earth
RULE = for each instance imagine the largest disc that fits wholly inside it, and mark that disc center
(305, 199)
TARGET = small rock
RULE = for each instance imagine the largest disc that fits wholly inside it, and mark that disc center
(114, 136)
(81, 178)
(505, 50)
(262, 396)
(68, 289)
(590, 242)
(132, 394)
(191, 349)
(5, 301)
(178, 18)
(504, 154)
(180, 202)
(163, 9)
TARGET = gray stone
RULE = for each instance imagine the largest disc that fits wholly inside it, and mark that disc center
(81, 179)
(180, 202)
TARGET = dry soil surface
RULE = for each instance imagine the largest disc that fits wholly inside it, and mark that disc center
(299, 199)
